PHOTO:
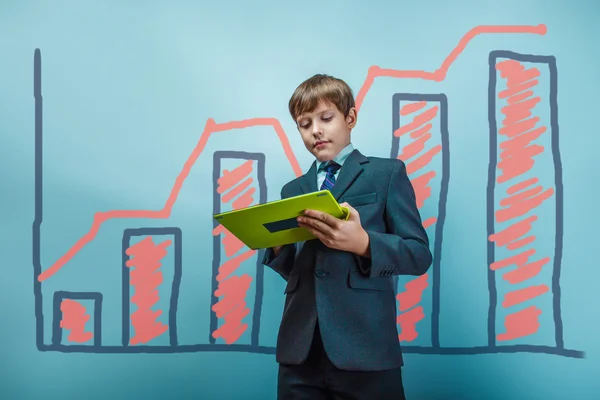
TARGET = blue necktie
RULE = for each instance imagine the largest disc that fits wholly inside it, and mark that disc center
(329, 181)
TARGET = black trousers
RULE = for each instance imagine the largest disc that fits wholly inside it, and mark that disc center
(318, 379)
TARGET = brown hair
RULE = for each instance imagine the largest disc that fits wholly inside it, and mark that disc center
(320, 87)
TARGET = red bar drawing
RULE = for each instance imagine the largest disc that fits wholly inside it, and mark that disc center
(74, 319)
(146, 276)
(419, 130)
(524, 208)
(231, 302)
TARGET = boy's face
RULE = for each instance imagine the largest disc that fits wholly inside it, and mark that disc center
(325, 131)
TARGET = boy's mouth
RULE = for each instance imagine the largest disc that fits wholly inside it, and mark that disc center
(320, 143)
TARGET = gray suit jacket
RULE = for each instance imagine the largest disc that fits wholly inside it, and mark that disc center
(353, 297)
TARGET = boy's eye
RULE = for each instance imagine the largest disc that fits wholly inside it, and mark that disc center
(327, 118)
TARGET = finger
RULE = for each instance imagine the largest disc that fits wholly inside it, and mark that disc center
(317, 224)
(348, 206)
(323, 217)
(317, 233)
(352, 211)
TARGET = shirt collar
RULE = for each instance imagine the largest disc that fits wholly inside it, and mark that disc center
(340, 158)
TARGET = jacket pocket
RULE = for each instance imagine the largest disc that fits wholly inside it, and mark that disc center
(361, 199)
(292, 283)
(357, 281)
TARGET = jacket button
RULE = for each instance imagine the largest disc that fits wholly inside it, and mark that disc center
(320, 273)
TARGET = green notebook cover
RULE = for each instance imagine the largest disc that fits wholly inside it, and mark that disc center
(274, 223)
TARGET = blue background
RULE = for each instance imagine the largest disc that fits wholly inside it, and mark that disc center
(128, 88)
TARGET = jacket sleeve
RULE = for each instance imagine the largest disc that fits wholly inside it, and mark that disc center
(404, 248)
(284, 261)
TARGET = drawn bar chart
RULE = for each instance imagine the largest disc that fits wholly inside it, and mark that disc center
(81, 314)
(420, 139)
(238, 181)
(151, 277)
(524, 202)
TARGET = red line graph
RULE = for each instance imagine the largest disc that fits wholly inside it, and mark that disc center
(440, 74)
(212, 127)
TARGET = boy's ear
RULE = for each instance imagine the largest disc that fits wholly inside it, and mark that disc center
(351, 118)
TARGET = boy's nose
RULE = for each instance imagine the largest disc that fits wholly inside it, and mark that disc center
(316, 130)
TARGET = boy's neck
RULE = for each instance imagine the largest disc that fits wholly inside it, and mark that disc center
(344, 151)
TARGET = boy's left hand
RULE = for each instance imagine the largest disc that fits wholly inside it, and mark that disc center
(335, 233)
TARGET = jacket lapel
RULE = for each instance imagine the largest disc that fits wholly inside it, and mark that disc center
(351, 169)
(308, 183)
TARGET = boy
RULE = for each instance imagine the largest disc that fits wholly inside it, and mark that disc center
(338, 336)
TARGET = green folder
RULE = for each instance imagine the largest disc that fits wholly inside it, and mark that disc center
(274, 223)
